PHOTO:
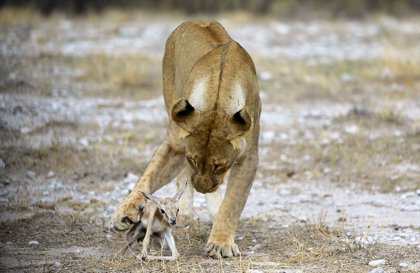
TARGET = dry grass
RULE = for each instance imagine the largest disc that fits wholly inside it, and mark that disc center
(54, 157)
(134, 76)
(10, 15)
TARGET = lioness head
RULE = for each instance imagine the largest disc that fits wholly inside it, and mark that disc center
(213, 144)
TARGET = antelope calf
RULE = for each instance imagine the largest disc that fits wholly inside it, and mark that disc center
(155, 223)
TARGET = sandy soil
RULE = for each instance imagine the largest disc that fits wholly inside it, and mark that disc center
(81, 112)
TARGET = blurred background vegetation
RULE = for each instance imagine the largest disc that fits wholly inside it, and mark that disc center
(286, 8)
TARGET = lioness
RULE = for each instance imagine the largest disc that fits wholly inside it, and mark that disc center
(212, 99)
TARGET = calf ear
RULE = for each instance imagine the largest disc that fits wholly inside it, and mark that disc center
(182, 113)
(150, 197)
(240, 122)
(181, 190)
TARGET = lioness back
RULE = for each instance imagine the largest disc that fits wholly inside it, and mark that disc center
(188, 43)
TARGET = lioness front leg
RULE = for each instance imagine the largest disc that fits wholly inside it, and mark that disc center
(163, 167)
(221, 243)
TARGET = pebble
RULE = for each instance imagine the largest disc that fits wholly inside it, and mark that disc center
(2, 164)
(387, 73)
(266, 75)
(4, 193)
(57, 265)
(352, 129)
(33, 242)
(50, 174)
(30, 174)
(408, 195)
(84, 142)
(347, 78)
(410, 208)
(377, 270)
(130, 178)
(403, 264)
(377, 262)
(255, 271)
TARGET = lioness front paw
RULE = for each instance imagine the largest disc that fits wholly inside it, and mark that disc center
(125, 216)
(219, 251)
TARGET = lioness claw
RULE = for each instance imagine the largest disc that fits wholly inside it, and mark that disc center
(123, 219)
(222, 251)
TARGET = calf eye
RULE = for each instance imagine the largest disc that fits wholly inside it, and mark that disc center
(162, 211)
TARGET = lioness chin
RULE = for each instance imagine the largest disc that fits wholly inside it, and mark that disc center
(212, 99)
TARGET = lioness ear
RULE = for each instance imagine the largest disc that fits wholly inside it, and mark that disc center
(182, 110)
(183, 113)
(241, 122)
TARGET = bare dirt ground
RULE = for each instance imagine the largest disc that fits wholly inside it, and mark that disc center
(338, 186)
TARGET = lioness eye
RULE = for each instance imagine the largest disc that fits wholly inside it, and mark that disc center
(192, 162)
(162, 211)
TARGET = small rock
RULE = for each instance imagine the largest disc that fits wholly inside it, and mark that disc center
(4, 181)
(57, 265)
(33, 242)
(84, 142)
(2, 164)
(302, 218)
(377, 262)
(347, 78)
(130, 178)
(266, 75)
(50, 174)
(4, 193)
(410, 208)
(351, 129)
(387, 73)
(403, 264)
(30, 174)
(408, 195)
(255, 271)
(377, 270)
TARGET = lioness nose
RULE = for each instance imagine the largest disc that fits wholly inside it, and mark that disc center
(172, 222)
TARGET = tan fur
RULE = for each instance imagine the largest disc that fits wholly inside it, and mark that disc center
(208, 141)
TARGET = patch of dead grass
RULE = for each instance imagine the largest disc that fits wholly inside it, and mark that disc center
(134, 76)
(311, 248)
(23, 15)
